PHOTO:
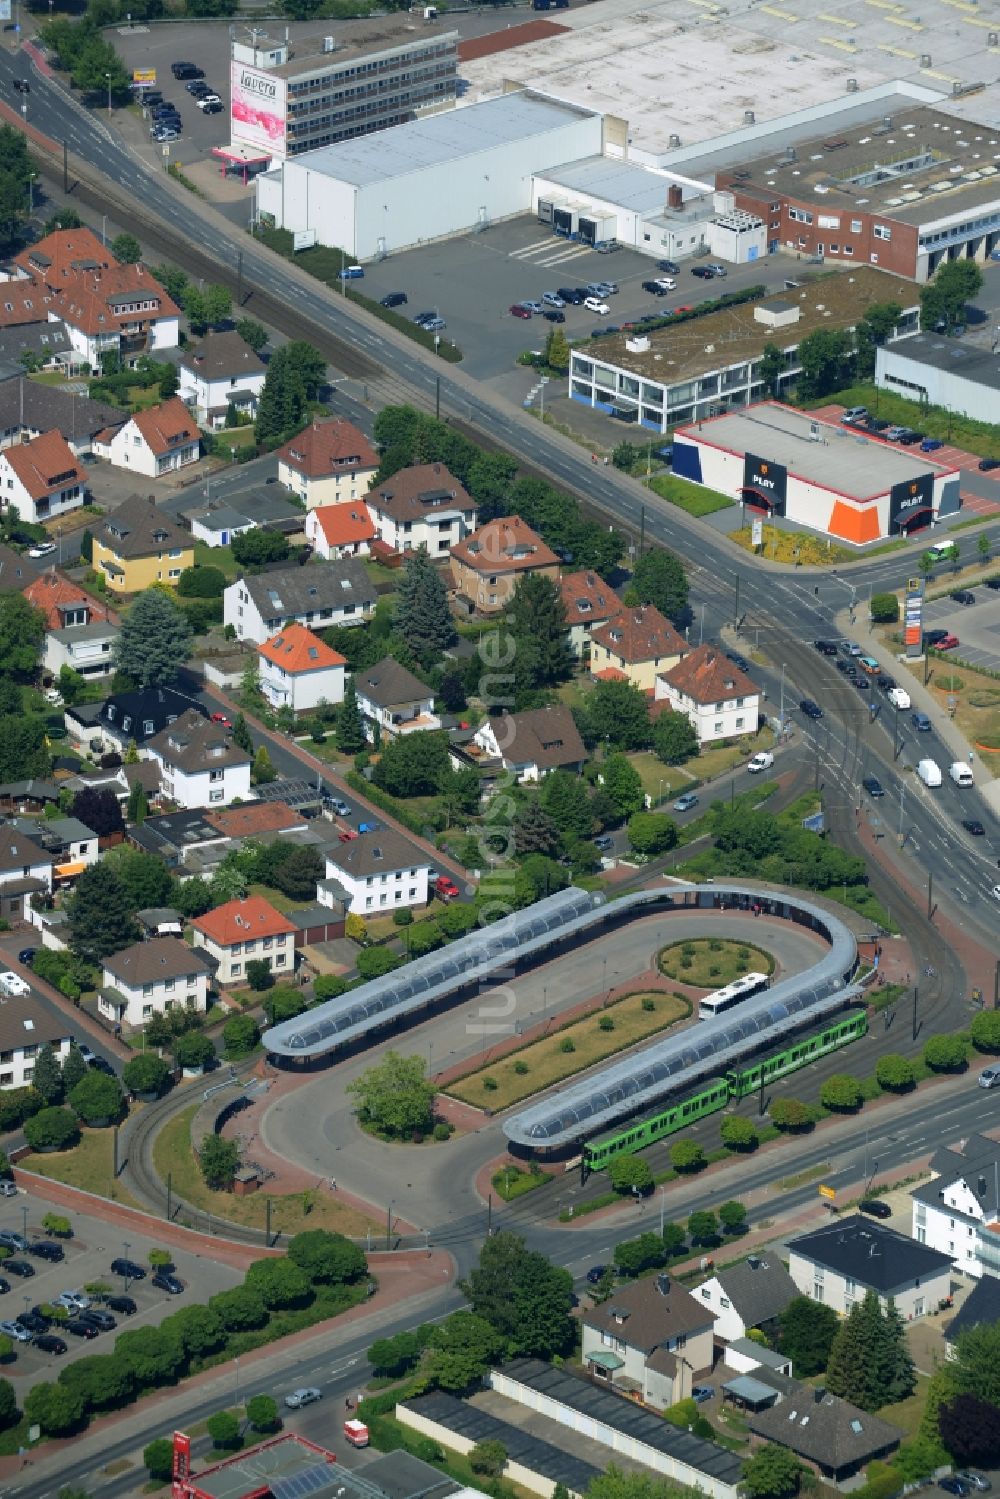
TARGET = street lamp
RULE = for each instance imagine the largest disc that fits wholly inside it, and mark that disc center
(24, 1218)
(108, 77)
(126, 1245)
(388, 1221)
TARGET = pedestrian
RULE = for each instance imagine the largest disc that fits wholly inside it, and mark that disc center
(333, 1184)
(606, 462)
(593, 457)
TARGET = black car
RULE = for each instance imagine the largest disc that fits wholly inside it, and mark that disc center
(33, 1322)
(909, 437)
(214, 108)
(395, 299)
(553, 315)
(123, 1305)
(570, 294)
(102, 1320)
(4, 1285)
(20, 1268)
(843, 666)
(974, 826)
(993, 583)
(987, 465)
(150, 97)
(874, 1207)
(198, 89)
(183, 70)
(702, 272)
(826, 647)
(47, 1342)
(884, 682)
(101, 1064)
(81, 1329)
(933, 637)
(670, 266)
(129, 1268)
(873, 786)
(739, 661)
(963, 596)
(164, 1281)
(27, 956)
(44, 1250)
(580, 295)
(596, 1274)
(810, 709)
(876, 424)
(655, 289)
(862, 683)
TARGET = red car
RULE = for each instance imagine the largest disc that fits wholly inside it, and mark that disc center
(220, 718)
(948, 643)
(518, 311)
(445, 888)
(347, 835)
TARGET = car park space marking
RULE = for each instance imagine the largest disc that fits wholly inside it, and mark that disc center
(535, 248)
(573, 254)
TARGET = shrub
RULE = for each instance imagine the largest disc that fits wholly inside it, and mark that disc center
(53, 1128)
(895, 1073)
(649, 1005)
(606, 1023)
(884, 608)
(686, 1156)
(193, 1050)
(738, 1133)
(442, 1130)
(158, 1457)
(791, 1115)
(946, 1053)
(567, 1044)
(146, 1073)
(841, 1093)
(521, 1068)
(490, 1084)
(329, 986)
(224, 1429)
(402, 917)
(259, 975)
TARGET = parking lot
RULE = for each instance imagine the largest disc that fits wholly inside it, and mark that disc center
(88, 1256)
(976, 625)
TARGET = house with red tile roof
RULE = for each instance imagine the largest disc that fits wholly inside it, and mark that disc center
(62, 602)
(329, 463)
(153, 442)
(337, 531)
(300, 671)
(485, 566)
(635, 645)
(245, 931)
(42, 478)
(589, 602)
(421, 506)
(719, 700)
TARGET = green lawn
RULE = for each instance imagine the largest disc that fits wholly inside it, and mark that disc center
(275, 898)
(907, 1414)
(694, 498)
(713, 962)
(90, 1166)
(220, 557)
(659, 780)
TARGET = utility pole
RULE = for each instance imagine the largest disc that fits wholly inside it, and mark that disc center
(642, 529)
(781, 701)
(437, 398)
(267, 1223)
(902, 798)
(239, 278)
(489, 1215)
(930, 896)
(65, 167)
(916, 991)
(896, 745)
(170, 1195)
(736, 618)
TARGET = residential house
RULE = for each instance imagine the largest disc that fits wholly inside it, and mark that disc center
(391, 697)
(383, 871)
(486, 566)
(299, 671)
(200, 765)
(423, 506)
(718, 699)
(649, 1339)
(589, 602)
(243, 932)
(72, 845)
(26, 1024)
(155, 441)
(62, 602)
(747, 1295)
(329, 463)
(216, 521)
(957, 1211)
(25, 870)
(835, 1438)
(41, 478)
(981, 1308)
(221, 372)
(86, 649)
(32, 797)
(336, 531)
(533, 743)
(839, 1262)
(50, 343)
(320, 595)
(28, 409)
(257, 820)
(138, 545)
(635, 645)
(746, 1355)
(126, 718)
(150, 978)
(17, 569)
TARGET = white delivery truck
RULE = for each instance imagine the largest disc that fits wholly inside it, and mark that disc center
(929, 772)
(961, 774)
(762, 760)
(898, 698)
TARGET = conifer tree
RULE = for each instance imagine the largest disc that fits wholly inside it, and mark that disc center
(100, 921)
(422, 614)
(241, 734)
(350, 730)
(138, 803)
(47, 1076)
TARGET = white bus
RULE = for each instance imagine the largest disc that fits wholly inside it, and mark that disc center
(733, 994)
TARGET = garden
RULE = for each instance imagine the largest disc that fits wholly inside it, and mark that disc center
(712, 962)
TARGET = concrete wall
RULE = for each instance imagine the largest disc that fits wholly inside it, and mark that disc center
(535, 1483)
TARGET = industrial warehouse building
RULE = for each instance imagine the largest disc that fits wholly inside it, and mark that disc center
(938, 371)
(779, 462)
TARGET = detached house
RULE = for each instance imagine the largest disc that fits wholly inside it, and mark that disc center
(337, 531)
(154, 442)
(958, 1211)
(383, 871)
(62, 602)
(589, 602)
(200, 766)
(242, 932)
(150, 978)
(330, 463)
(74, 637)
(485, 566)
(422, 506)
(533, 743)
(26, 1024)
(317, 596)
(718, 699)
(747, 1295)
(635, 644)
(25, 870)
(41, 478)
(394, 699)
(299, 671)
(222, 371)
(138, 545)
(650, 1339)
(841, 1261)
(28, 409)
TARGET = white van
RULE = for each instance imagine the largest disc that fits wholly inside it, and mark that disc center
(929, 772)
(961, 774)
(898, 698)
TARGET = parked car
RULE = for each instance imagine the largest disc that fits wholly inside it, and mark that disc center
(810, 709)
(27, 956)
(931, 444)
(42, 549)
(9, 1239)
(164, 1281)
(949, 643)
(553, 316)
(16, 1331)
(81, 1329)
(702, 272)
(102, 1320)
(715, 269)
(33, 1322)
(183, 70)
(394, 299)
(931, 637)
(21, 1268)
(954, 1486)
(854, 414)
(369, 827)
(4, 1286)
(337, 805)
(702, 1392)
(670, 266)
(993, 583)
(308, 1395)
(445, 888)
(434, 325)
(553, 299)
(686, 802)
(762, 760)
(655, 288)
(129, 1268)
(975, 1481)
(737, 660)
(825, 647)
(572, 295)
(73, 1301)
(596, 1274)
(876, 424)
(44, 1249)
(594, 304)
(210, 106)
(198, 88)
(48, 1342)
(963, 596)
(908, 438)
(604, 841)
(874, 1207)
(987, 465)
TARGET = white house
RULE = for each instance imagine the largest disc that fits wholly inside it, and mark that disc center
(382, 871)
(842, 1260)
(150, 978)
(26, 1025)
(222, 371)
(25, 870)
(747, 1295)
(74, 845)
(532, 743)
(318, 596)
(394, 699)
(337, 531)
(423, 506)
(153, 442)
(652, 1336)
(242, 932)
(718, 699)
(299, 671)
(329, 463)
(41, 478)
(953, 1211)
(87, 649)
(200, 766)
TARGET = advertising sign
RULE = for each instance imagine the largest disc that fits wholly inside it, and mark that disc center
(143, 77)
(4, 10)
(757, 531)
(828, 1192)
(303, 239)
(913, 617)
(767, 480)
(910, 504)
(181, 1465)
(258, 108)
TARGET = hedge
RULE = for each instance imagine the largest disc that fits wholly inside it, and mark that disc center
(387, 803)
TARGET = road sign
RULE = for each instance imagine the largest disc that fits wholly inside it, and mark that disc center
(828, 1192)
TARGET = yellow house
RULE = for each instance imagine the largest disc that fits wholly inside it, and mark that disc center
(637, 644)
(138, 545)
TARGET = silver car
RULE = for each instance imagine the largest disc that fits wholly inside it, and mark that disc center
(16, 1331)
(306, 1396)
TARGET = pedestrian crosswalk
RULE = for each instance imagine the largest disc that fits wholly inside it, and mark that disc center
(551, 251)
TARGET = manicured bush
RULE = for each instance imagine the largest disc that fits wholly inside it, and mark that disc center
(193, 1050)
(946, 1053)
(97, 1098)
(842, 1094)
(146, 1073)
(329, 986)
(52, 1129)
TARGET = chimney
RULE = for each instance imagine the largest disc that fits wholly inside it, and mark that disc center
(675, 197)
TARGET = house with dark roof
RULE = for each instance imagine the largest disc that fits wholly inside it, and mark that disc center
(220, 372)
(27, 409)
(127, 717)
(532, 743)
(217, 521)
(486, 566)
(958, 1210)
(150, 978)
(392, 698)
(718, 699)
(981, 1308)
(381, 872)
(329, 463)
(25, 870)
(635, 645)
(649, 1339)
(421, 506)
(41, 478)
(831, 1435)
(49, 342)
(838, 1263)
(747, 1295)
(17, 569)
(317, 596)
(200, 764)
(155, 441)
(137, 545)
(589, 602)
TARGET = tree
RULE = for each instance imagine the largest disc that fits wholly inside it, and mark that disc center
(241, 734)
(651, 833)
(985, 1030)
(895, 1074)
(869, 1363)
(826, 359)
(102, 1381)
(460, 1352)
(773, 363)
(977, 1365)
(630, 1172)
(792, 1115)
(262, 1413)
(618, 713)
(258, 548)
(946, 1053)
(259, 975)
(414, 765)
(396, 1355)
(807, 1329)
(350, 727)
(253, 334)
(138, 804)
(262, 772)
(126, 248)
(57, 1410)
(633, 1256)
(557, 350)
(52, 1129)
(224, 1429)
(23, 751)
(154, 1355)
(73, 1068)
(659, 579)
(219, 1160)
(673, 1239)
(192, 1050)
(146, 1073)
(983, 547)
(100, 921)
(565, 799)
(872, 330)
(8, 1404)
(201, 583)
(298, 873)
(282, 404)
(279, 1283)
(675, 739)
(686, 1156)
(217, 304)
(240, 1035)
(422, 615)
(534, 831)
(970, 1429)
(308, 365)
(738, 1133)
(884, 608)
(394, 1097)
(733, 1217)
(841, 1093)
(772, 1473)
(327, 1258)
(536, 620)
(944, 298)
(239, 1309)
(198, 1330)
(97, 1098)
(22, 630)
(99, 810)
(375, 962)
(158, 1457)
(145, 878)
(524, 1297)
(703, 1227)
(623, 784)
(488, 1457)
(47, 1076)
(538, 877)
(154, 640)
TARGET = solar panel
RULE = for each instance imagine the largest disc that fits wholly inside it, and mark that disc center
(309, 1481)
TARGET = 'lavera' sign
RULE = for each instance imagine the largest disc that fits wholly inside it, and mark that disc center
(258, 108)
(257, 83)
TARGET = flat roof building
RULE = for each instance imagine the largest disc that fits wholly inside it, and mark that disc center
(961, 376)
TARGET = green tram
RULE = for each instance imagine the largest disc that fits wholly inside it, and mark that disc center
(714, 1093)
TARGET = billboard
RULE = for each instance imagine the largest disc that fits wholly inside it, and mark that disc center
(143, 77)
(4, 10)
(913, 617)
(911, 504)
(258, 108)
(766, 479)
